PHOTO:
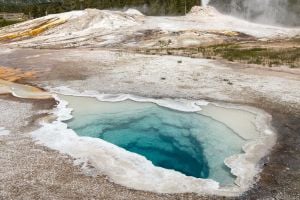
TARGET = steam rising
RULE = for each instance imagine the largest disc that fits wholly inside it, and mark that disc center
(204, 2)
(265, 11)
(284, 12)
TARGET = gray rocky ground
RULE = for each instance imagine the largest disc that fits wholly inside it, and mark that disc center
(30, 171)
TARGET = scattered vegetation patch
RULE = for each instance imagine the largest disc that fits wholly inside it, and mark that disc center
(255, 55)
(271, 53)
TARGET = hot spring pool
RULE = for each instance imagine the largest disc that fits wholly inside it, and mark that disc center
(188, 142)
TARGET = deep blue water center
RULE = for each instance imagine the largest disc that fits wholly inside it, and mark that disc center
(190, 143)
(183, 153)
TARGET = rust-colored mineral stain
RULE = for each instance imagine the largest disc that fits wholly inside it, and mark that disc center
(15, 74)
(42, 27)
(8, 79)
(23, 91)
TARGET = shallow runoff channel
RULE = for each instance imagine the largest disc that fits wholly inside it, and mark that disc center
(161, 145)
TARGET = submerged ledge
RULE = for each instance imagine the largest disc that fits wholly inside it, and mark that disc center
(134, 171)
(22, 91)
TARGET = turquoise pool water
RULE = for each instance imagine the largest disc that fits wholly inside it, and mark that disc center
(190, 143)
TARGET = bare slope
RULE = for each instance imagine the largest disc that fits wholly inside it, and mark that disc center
(102, 28)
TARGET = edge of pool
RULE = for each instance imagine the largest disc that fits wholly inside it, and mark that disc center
(244, 166)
